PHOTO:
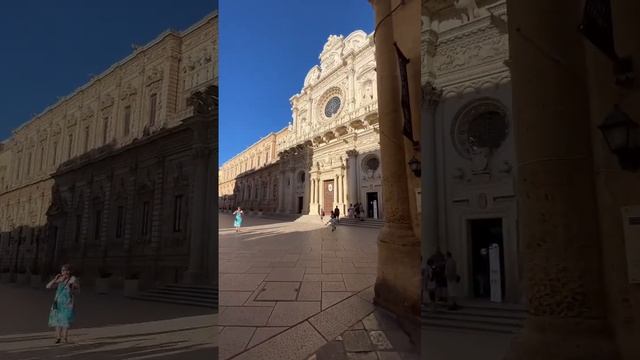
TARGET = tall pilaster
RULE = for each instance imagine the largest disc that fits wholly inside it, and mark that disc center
(398, 283)
(430, 172)
(555, 185)
(352, 176)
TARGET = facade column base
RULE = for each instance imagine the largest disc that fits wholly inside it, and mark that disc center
(563, 339)
(397, 287)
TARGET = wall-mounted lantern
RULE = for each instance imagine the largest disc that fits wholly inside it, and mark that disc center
(623, 138)
(415, 166)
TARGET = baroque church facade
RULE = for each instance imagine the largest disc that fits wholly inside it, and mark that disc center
(110, 177)
(329, 154)
(467, 90)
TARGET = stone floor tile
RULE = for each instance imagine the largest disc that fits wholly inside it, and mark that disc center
(233, 340)
(313, 270)
(331, 298)
(389, 355)
(357, 326)
(357, 341)
(367, 294)
(259, 270)
(337, 319)
(379, 340)
(380, 320)
(322, 277)
(362, 356)
(284, 264)
(244, 316)
(286, 274)
(358, 282)
(263, 334)
(333, 350)
(310, 291)
(240, 282)
(297, 343)
(399, 340)
(275, 291)
(291, 313)
(333, 286)
(233, 298)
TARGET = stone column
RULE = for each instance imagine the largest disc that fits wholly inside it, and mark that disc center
(281, 192)
(397, 286)
(352, 176)
(195, 273)
(430, 231)
(556, 193)
(306, 205)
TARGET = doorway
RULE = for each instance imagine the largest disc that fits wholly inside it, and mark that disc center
(372, 205)
(300, 202)
(327, 200)
(487, 258)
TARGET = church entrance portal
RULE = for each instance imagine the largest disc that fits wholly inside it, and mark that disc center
(487, 259)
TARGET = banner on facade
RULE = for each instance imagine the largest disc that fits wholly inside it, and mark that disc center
(407, 128)
(597, 26)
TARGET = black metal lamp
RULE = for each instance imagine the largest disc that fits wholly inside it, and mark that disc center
(621, 134)
(415, 166)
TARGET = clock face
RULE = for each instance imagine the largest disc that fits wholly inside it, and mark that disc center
(332, 107)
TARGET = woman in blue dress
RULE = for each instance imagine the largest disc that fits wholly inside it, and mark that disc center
(238, 221)
(62, 311)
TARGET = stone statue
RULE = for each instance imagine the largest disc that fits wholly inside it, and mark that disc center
(468, 8)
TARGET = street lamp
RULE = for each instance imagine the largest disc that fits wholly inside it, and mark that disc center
(415, 166)
(621, 134)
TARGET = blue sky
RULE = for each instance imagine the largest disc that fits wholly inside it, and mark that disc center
(50, 48)
(266, 50)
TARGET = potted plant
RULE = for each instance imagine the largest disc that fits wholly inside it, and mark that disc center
(22, 277)
(102, 282)
(6, 275)
(131, 284)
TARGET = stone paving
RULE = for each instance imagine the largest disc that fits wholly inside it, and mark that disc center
(107, 327)
(289, 288)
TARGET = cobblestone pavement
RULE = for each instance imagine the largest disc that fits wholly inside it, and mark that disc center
(289, 288)
(107, 327)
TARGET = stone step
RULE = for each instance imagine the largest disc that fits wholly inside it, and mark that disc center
(477, 316)
(183, 294)
(175, 301)
(481, 327)
(467, 318)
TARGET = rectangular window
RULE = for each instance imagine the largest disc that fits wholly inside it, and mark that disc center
(177, 213)
(153, 103)
(145, 218)
(120, 222)
(98, 224)
(127, 120)
(105, 131)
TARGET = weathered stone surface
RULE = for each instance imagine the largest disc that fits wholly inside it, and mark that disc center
(291, 313)
(296, 343)
(357, 341)
(335, 320)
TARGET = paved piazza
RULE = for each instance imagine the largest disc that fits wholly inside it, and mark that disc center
(107, 327)
(289, 288)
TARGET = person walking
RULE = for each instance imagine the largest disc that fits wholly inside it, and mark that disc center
(453, 280)
(350, 211)
(430, 282)
(321, 214)
(62, 312)
(238, 220)
(336, 212)
(332, 221)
